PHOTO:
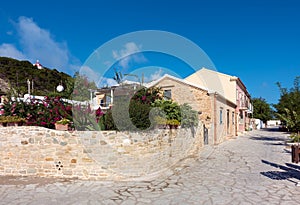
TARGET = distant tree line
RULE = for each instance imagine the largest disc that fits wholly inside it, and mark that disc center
(287, 109)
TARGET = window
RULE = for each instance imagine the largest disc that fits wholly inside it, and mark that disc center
(102, 102)
(107, 100)
(241, 117)
(167, 94)
(221, 115)
(241, 114)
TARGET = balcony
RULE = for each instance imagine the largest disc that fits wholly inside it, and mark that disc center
(243, 105)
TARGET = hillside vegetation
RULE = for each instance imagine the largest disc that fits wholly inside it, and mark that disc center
(14, 75)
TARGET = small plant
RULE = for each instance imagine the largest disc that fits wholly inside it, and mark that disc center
(63, 121)
(295, 137)
(173, 122)
(189, 117)
(85, 118)
(160, 120)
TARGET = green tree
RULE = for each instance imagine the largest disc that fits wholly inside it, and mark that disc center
(261, 109)
(288, 107)
(82, 87)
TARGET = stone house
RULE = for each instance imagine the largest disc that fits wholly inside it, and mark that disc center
(216, 113)
(232, 88)
(224, 121)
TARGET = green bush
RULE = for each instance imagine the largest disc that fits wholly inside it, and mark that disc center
(84, 118)
(11, 119)
(168, 109)
(139, 115)
(189, 117)
(295, 137)
(106, 121)
(145, 110)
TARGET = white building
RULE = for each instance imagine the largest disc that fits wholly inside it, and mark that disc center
(38, 65)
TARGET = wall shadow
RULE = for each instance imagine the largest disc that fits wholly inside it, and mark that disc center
(264, 138)
(274, 129)
(290, 172)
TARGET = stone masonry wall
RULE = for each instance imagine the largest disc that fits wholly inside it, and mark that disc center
(107, 155)
(197, 98)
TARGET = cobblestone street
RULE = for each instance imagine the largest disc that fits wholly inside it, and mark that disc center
(252, 169)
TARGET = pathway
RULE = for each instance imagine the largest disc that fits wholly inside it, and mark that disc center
(253, 169)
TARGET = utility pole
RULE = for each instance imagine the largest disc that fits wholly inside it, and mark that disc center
(28, 84)
(32, 86)
(17, 74)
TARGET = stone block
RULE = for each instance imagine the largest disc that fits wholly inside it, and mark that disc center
(63, 143)
(85, 159)
(24, 142)
(87, 151)
(67, 172)
(103, 142)
(72, 141)
(55, 141)
(31, 171)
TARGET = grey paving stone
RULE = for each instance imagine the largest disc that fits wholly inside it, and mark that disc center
(250, 169)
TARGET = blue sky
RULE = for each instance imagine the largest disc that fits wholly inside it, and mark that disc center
(256, 40)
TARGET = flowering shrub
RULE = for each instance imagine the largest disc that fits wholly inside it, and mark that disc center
(147, 95)
(40, 112)
(145, 110)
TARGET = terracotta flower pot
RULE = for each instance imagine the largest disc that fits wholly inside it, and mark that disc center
(61, 127)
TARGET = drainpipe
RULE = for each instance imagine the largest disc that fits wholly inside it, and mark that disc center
(236, 123)
(215, 117)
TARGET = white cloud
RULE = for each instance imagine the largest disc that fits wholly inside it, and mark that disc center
(94, 76)
(9, 33)
(156, 75)
(89, 73)
(130, 54)
(103, 82)
(110, 82)
(9, 50)
(38, 43)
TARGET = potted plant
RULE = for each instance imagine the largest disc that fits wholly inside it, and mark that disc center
(62, 124)
(173, 123)
(11, 121)
(160, 122)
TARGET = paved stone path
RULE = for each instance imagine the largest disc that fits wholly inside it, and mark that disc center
(253, 169)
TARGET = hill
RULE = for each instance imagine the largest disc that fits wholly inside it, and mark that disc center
(14, 75)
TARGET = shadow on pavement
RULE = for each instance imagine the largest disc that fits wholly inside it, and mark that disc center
(274, 129)
(264, 138)
(287, 172)
(275, 141)
(278, 138)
